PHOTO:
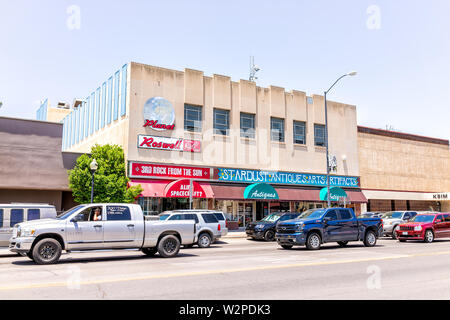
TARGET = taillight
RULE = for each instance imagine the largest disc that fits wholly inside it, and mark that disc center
(218, 227)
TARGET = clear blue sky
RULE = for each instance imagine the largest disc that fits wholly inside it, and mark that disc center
(403, 66)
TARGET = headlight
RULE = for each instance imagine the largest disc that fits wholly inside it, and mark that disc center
(25, 232)
(418, 228)
(300, 226)
(388, 223)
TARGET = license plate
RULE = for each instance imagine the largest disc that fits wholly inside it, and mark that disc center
(405, 233)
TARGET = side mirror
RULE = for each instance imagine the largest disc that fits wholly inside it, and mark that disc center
(438, 220)
(326, 219)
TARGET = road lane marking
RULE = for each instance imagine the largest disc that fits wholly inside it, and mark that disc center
(210, 272)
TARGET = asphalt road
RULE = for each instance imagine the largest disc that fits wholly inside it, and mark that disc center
(239, 269)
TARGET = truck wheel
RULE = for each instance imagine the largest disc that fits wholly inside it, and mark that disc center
(394, 233)
(30, 255)
(287, 246)
(149, 251)
(47, 251)
(269, 235)
(429, 236)
(343, 243)
(370, 239)
(204, 240)
(168, 246)
(313, 241)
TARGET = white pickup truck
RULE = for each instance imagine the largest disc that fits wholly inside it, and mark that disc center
(100, 226)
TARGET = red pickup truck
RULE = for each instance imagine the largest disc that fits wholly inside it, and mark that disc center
(425, 227)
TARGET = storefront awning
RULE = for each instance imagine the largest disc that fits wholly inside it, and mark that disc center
(180, 189)
(336, 194)
(160, 188)
(152, 188)
(260, 191)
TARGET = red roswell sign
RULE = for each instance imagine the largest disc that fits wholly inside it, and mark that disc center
(180, 189)
(143, 170)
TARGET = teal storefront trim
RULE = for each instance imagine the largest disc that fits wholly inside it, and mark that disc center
(335, 194)
(261, 191)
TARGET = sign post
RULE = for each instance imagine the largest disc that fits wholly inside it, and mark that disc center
(191, 187)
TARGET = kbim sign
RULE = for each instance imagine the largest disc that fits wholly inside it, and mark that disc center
(276, 177)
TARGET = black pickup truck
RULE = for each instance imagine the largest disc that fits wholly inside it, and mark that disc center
(317, 226)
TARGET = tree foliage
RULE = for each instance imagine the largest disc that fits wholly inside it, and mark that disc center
(110, 180)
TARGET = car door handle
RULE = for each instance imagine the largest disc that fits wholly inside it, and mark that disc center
(97, 226)
(130, 225)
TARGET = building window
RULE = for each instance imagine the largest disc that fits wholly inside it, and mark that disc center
(247, 125)
(299, 132)
(221, 121)
(192, 118)
(319, 135)
(277, 129)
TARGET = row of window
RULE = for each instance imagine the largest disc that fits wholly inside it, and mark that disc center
(221, 120)
(97, 110)
(16, 216)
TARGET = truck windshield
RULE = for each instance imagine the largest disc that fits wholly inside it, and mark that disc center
(272, 217)
(392, 215)
(69, 212)
(312, 214)
(423, 218)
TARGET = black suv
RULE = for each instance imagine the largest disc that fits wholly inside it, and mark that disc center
(265, 228)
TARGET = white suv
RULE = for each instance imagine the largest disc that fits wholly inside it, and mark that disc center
(207, 226)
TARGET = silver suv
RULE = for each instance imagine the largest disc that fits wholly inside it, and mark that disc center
(207, 226)
(393, 219)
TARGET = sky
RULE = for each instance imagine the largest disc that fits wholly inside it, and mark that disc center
(63, 50)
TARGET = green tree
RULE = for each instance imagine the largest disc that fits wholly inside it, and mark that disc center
(110, 180)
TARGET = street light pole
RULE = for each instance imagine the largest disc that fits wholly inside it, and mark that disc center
(93, 166)
(353, 73)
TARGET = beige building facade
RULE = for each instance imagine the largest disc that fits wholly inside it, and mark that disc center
(402, 171)
(236, 131)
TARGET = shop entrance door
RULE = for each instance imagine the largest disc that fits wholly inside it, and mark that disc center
(262, 209)
(245, 213)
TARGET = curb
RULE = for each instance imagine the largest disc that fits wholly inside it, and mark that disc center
(235, 235)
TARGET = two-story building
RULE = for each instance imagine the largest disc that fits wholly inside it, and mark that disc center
(223, 139)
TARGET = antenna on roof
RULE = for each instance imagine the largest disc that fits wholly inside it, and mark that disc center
(253, 69)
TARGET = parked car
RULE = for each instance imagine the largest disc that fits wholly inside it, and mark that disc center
(266, 227)
(371, 215)
(393, 219)
(13, 213)
(120, 226)
(317, 226)
(208, 227)
(425, 227)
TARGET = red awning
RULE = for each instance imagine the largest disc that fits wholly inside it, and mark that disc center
(156, 188)
(356, 196)
(227, 192)
(152, 188)
(180, 189)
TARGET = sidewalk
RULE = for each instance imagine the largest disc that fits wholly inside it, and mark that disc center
(236, 234)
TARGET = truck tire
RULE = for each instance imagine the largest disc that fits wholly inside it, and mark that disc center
(287, 246)
(343, 243)
(168, 246)
(370, 239)
(149, 251)
(313, 241)
(269, 235)
(30, 255)
(47, 251)
(394, 234)
(204, 240)
(429, 236)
